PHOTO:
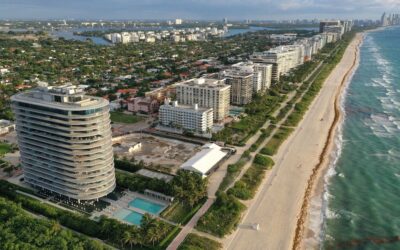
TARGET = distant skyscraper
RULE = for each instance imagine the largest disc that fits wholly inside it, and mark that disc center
(225, 20)
(178, 21)
(323, 24)
(385, 20)
(64, 138)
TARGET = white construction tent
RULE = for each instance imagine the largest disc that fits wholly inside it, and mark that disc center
(205, 160)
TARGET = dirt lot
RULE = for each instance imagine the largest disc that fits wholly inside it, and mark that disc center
(155, 150)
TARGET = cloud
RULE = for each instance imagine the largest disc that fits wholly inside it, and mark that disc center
(195, 9)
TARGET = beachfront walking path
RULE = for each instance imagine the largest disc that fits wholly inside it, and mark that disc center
(277, 204)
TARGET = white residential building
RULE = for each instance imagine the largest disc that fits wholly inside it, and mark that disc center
(266, 75)
(190, 118)
(283, 59)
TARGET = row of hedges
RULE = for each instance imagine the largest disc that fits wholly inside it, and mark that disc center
(276, 141)
(265, 133)
(233, 171)
(247, 186)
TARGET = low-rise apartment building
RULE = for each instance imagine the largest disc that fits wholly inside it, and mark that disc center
(190, 118)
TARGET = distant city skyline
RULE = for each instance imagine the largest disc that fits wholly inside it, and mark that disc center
(197, 10)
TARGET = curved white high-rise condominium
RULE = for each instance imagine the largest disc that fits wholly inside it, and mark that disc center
(64, 138)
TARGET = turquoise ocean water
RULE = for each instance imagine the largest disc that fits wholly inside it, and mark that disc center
(362, 196)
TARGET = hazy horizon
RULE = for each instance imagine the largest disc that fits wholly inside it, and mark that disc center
(195, 10)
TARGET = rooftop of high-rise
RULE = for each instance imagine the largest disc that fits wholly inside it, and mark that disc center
(66, 96)
(209, 82)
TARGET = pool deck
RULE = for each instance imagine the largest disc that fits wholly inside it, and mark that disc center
(123, 203)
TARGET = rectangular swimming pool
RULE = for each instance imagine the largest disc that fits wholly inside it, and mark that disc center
(129, 216)
(148, 206)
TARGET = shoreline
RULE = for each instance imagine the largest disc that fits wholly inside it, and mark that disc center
(310, 221)
(280, 198)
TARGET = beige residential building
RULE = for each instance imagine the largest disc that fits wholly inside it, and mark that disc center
(241, 86)
(64, 139)
(206, 92)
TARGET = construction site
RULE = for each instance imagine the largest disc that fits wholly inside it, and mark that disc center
(154, 149)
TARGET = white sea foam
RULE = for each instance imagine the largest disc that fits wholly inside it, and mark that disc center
(385, 124)
(339, 143)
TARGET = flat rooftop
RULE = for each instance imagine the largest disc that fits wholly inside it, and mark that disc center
(204, 82)
(63, 97)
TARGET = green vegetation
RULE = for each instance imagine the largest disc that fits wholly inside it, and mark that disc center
(19, 230)
(257, 113)
(246, 187)
(279, 137)
(179, 212)
(190, 190)
(151, 230)
(233, 171)
(263, 161)
(222, 217)
(265, 133)
(225, 213)
(119, 117)
(168, 239)
(128, 165)
(139, 183)
(189, 187)
(5, 148)
(195, 242)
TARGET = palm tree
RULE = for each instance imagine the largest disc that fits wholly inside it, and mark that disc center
(105, 226)
(152, 235)
(129, 238)
(147, 221)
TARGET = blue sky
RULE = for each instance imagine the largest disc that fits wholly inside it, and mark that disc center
(195, 9)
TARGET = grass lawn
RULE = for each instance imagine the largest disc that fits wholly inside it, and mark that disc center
(193, 241)
(4, 148)
(180, 213)
(124, 118)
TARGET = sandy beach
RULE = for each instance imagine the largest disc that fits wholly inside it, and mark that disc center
(313, 221)
(281, 205)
